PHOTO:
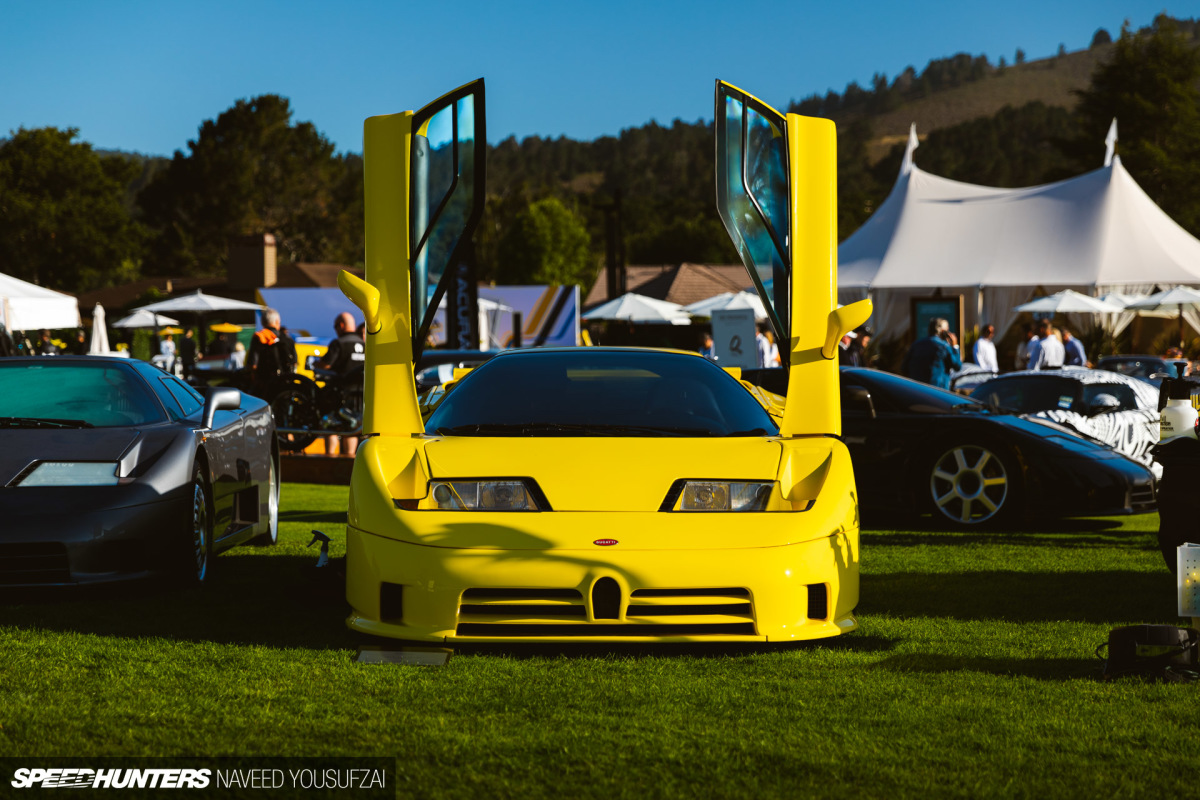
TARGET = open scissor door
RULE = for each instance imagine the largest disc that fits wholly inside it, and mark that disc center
(777, 195)
(423, 176)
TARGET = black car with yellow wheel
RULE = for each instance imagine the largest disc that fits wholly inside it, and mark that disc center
(919, 449)
(111, 469)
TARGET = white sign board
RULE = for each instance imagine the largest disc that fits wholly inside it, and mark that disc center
(733, 338)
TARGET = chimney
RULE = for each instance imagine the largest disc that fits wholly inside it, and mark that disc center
(252, 262)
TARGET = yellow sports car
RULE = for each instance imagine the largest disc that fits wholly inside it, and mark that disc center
(601, 494)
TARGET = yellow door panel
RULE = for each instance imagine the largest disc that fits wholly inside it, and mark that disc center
(777, 195)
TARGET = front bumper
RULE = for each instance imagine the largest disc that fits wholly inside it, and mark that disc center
(47, 546)
(419, 592)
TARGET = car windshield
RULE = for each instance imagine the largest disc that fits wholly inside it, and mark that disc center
(901, 395)
(591, 392)
(47, 392)
(1029, 394)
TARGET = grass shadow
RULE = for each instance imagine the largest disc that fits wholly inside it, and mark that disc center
(854, 642)
(276, 601)
(1093, 597)
(1044, 669)
(336, 517)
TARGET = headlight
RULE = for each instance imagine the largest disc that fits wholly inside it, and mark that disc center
(71, 473)
(725, 495)
(493, 495)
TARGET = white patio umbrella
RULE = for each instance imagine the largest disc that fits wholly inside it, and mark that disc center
(638, 308)
(726, 301)
(1069, 302)
(144, 319)
(201, 303)
(99, 345)
(1176, 299)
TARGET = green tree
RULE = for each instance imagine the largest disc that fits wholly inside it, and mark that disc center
(253, 170)
(1151, 87)
(547, 243)
(62, 220)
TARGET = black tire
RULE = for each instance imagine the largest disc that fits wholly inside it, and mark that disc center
(294, 408)
(195, 545)
(973, 484)
(271, 537)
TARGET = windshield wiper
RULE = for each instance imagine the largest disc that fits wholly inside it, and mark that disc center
(42, 422)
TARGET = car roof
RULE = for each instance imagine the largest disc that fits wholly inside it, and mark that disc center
(1145, 392)
(525, 351)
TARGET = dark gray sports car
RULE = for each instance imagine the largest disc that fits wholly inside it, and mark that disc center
(111, 469)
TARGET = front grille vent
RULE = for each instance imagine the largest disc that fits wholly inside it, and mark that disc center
(35, 563)
(562, 613)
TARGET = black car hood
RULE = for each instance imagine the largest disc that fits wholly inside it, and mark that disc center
(1063, 435)
(22, 447)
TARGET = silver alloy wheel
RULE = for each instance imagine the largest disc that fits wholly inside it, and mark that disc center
(969, 484)
(272, 504)
(200, 530)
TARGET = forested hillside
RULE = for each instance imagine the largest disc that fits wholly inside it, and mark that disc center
(254, 169)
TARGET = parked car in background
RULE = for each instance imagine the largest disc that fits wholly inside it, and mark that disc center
(1141, 367)
(919, 448)
(112, 469)
(1116, 409)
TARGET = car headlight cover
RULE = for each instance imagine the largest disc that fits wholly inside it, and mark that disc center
(71, 473)
(489, 495)
(725, 496)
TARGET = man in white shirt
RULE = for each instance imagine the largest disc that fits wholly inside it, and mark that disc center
(985, 349)
(1046, 352)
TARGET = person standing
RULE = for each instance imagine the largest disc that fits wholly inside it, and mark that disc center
(46, 347)
(847, 354)
(707, 349)
(1022, 359)
(187, 353)
(1073, 348)
(932, 359)
(858, 348)
(80, 348)
(272, 353)
(347, 351)
(166, 349)
(1046, 351)
(985, 349)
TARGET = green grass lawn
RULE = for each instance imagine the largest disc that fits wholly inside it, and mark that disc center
(972, 675)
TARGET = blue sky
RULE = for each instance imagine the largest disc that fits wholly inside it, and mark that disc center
(143, 75)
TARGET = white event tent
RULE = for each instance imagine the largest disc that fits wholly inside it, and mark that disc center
(1096, 233)
(26, 306)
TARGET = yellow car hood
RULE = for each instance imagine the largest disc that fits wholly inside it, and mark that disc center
(603, 473)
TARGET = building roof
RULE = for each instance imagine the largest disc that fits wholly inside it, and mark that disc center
(308, 276)
(682, 283)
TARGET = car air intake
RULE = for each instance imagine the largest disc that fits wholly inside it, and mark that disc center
(36, 563)
(561, 613)
(818, 601)
(606, 599)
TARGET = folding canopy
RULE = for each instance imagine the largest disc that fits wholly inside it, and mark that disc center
(25, 306)
(1096, 233)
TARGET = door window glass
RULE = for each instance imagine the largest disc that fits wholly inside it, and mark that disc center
(752, 196)
(444, 172)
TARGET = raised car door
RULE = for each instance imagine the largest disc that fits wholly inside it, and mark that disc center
(423, 178)
(777, 195)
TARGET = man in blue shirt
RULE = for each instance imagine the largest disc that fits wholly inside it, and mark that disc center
(1076, 357)
(932, 359)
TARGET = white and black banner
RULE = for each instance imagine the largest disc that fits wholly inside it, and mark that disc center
(202, 777)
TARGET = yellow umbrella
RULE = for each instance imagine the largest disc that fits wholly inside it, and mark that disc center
(172, 331)
(225, 327)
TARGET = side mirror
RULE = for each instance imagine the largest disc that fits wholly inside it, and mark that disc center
(857, 398)
(220, 397)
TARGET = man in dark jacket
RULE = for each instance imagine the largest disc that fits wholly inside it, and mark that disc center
(932, 359)
(347, 352)
(272, 354)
